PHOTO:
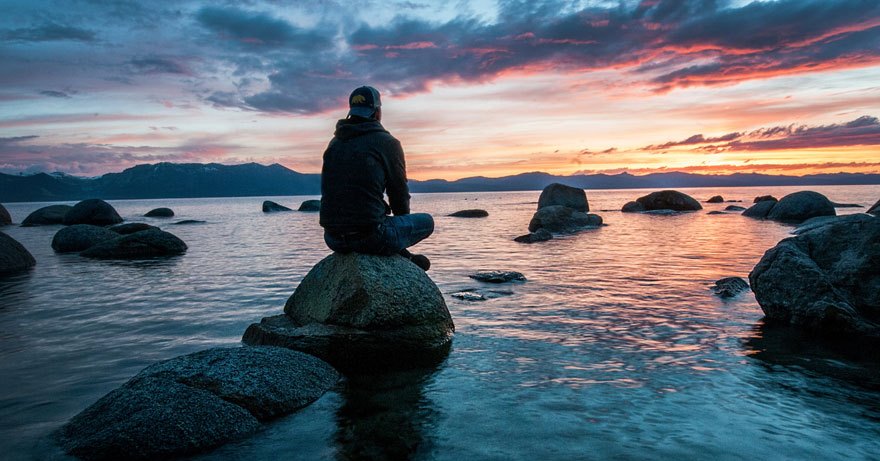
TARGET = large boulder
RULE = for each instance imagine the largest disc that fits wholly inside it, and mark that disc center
(801, 206)
(362, 311)
(272, 207)
(562, 195)
(145, 244)
(764, 198)
(80, 237)
(14, 257)
(669, 200)
(875, 209)
(824, 280)
(160, 213)
(310, 205)
(195, 402)
(92, 211)
(760, 210)
(5, 219)
(46, 216)
(558, 218)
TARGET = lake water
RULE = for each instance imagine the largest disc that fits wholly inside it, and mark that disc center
(615, 347)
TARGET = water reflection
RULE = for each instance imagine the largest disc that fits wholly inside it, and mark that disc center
(387, 416)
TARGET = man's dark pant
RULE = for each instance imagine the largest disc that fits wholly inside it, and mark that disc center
(392, 236)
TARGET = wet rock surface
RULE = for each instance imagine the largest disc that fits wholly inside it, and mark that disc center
(470, 214)
(46, 216)
(195, 402)
(145, 244)
(160, 213)
(729, 287)
(93, 211)
(498, 276)
(557, 218)
(561, 195)
(14, 257)
(80, 237)
(734, 208)
(540, 235)
(825, 280)
(272, 207)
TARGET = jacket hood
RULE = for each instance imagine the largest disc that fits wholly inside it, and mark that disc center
(347, 128)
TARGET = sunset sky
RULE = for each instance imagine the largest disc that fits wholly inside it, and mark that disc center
(470, 88)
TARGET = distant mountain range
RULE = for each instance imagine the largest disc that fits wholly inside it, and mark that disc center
(188, 180)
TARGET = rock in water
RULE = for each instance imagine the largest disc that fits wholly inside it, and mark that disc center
(195, 402)
(669, 200)
(310, 205)
(272, 207)
(80, 237)
(875, 210)
(800, 206)
(5, 219)
(140, 245)
(734, 208)
(716, 199)
(557, 218)
(131, 227)
(92, 211)
(730, 286)
(470, 214)
(760, 209)
(360, 312)
(764, 198)
(160, 213)
(540, 235)
(567, 196)
(14, 257)
(498, 276)
(46, 216)
(187, 222)
(825, 280)
(633, 207)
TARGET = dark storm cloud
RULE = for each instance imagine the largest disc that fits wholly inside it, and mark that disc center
(47, 33)
(157, 65)
(666, 43)
(259, 29)
(863, 131)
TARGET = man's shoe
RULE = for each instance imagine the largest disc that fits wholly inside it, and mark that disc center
(421, 261)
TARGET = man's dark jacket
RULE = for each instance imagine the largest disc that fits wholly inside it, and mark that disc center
(362, 162)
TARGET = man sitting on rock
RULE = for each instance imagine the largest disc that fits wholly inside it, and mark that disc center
(361, 164)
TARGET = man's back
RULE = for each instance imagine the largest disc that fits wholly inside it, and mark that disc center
(361, 162)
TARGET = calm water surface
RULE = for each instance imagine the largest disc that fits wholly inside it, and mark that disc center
(615, 347)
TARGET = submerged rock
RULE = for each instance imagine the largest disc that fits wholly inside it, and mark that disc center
(668, 200)
(79, 237)
(561, 195)
(825, 280)
(145, 244)
(764, 198)
(5, 219)
(131, 227)
(716, 199)
(734, 208)
(14, 257)
(475, 295)
(632, 207)
(362, 311)
(760, 210)
(310, 205)
(46, 216)
(498, 276)
(272, 207)
(557, 218)
(800, 206)
(730, 286)
(195, 402)
(92, 211)
(716, 212)
(470, 214)
(540, 235)
(160, 213)
(187, 222)
(875, 209)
